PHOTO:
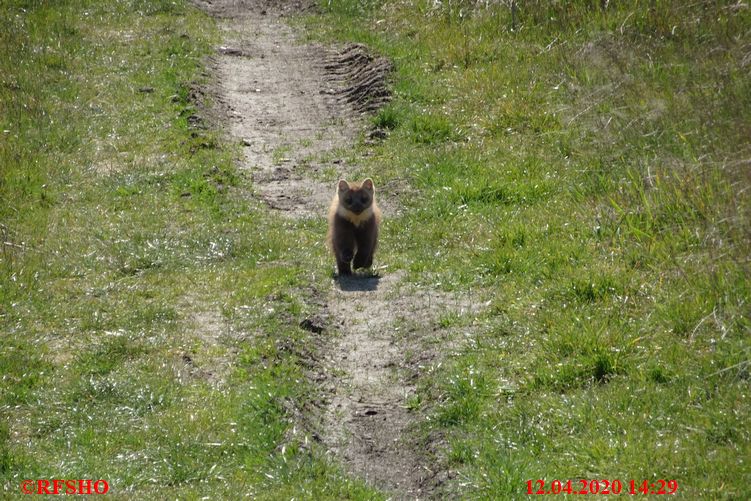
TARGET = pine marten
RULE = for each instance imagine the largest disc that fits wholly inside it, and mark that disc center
(354, 217)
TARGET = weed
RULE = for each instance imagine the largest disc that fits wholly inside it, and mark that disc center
(386, 118)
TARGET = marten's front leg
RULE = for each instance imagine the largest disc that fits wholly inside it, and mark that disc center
(343, 242)
(367, 239)
(343, 258)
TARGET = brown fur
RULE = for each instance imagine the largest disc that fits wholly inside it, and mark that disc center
(354, 218)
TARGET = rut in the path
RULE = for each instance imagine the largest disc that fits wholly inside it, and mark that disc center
(288, 103)
(275, 92)
(368, 417)
(390, 332)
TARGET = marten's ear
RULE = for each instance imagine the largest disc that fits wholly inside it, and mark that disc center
(368, 185)
(343, 186)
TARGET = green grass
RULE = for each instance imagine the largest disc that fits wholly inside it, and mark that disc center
(149, 308)
(587, 169)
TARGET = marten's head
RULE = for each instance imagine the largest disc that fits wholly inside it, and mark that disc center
(356, 197)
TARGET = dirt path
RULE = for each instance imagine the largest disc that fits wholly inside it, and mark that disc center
(275, 93)
(290, 103)
(390, 333)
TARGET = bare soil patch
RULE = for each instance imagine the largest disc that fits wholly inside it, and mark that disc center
(272, 88)
(233, 9)
(212, 362)
(390, 332)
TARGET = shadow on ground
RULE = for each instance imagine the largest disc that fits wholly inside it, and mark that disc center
(358, 283)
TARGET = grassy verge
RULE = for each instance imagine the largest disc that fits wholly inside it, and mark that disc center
(149, 307)
(588, 168)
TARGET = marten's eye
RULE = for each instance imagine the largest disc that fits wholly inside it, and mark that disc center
(365, 199)
(348, 200)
